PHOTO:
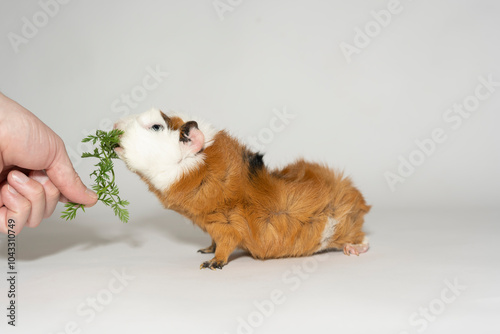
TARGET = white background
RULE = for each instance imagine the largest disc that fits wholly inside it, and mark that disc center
(235, 69)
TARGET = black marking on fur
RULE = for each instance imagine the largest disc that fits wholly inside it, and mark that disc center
(255, 162)
(185, 129)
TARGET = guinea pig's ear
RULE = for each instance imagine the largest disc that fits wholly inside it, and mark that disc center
(192, 137)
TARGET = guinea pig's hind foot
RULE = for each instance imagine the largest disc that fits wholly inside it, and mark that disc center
(356, 249)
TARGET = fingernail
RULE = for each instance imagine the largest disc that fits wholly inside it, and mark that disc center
(19, 177)
(12, 190)
(91, 193)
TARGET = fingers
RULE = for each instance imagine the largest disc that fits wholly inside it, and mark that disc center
(64, 177)
(32, 191)
(16, 209)
(52, 194)
(26, 200)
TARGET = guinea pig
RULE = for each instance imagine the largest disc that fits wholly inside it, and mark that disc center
(226, 189)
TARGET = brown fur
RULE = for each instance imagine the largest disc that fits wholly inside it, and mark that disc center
(173, 123)
(271, 214)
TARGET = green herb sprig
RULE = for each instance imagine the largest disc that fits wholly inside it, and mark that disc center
(104, 175)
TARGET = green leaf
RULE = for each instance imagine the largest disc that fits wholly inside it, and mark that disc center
(71, 209)
(104, 176)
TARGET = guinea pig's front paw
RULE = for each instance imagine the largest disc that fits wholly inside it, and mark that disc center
(213, 264)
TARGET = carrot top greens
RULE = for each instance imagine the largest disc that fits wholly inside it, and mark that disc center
(103, 176)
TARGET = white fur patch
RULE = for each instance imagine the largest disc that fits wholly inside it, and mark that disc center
(159, 155)
(327, 233)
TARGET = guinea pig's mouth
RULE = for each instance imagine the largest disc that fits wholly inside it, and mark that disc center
(118, 149)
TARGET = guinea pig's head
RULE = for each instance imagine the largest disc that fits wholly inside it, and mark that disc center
(162, 148)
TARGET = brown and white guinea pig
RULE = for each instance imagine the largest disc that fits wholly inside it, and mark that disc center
(224, 188)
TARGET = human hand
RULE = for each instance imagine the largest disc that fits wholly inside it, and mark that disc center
(35, 170)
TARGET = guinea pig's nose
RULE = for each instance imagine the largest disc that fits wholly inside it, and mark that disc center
(117, 125)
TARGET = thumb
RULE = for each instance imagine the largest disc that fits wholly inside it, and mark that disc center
(64, 177)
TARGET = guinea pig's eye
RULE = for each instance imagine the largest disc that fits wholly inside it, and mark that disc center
(157, 127)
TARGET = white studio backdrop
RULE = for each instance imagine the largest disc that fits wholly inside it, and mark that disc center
(402, 95)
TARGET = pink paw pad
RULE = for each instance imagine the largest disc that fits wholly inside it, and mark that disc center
(355, 249)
